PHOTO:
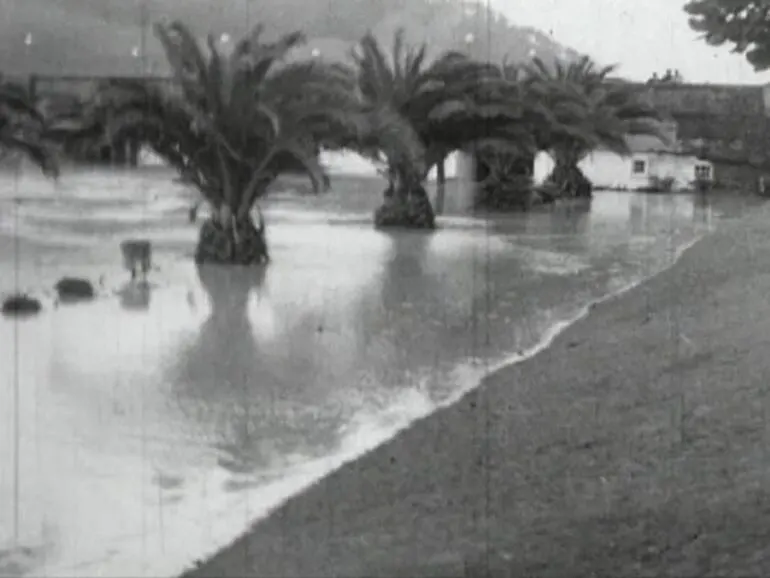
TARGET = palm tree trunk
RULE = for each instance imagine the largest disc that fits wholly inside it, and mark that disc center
(440, 186)
(570, 180)
(133, 153)
(408, 206)
(225, 240)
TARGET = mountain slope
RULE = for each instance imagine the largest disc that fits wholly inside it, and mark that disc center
(97, 37)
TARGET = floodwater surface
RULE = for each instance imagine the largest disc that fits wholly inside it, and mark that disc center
(144, 430)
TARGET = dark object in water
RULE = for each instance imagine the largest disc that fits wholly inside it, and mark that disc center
(545, 194)
(137, 253)
(193, 213)
(136, 296)
(405, 209)
(21, 305)
(71, 289)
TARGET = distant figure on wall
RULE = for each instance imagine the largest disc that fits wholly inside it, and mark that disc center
(670, 77)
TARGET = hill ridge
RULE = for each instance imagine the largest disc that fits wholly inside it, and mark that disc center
(97, 37)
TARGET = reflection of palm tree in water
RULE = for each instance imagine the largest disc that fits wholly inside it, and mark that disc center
(636, 215)
(387, 314)
(135, 296)
(701, 207)
(405, 267)
(216, 371)
(223, 384)
(574, 219)
(425, 307)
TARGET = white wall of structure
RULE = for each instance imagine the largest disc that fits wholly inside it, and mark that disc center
(350, 163)
(608, 170)
(337, 163)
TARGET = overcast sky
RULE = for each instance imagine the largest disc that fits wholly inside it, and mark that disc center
(642, 36)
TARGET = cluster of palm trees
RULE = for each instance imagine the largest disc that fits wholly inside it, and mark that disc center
(231, 123)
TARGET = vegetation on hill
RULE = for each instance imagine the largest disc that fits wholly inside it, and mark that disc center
(99, 36)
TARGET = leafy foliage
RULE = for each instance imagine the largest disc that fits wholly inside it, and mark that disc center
(230, 123)
(437, 107)
(588, 110)
(504, 186)
(743, 23)
(23, 127)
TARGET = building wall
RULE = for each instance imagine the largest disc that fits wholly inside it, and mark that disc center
(343, 163)
(680, 168)
(607, 170)
(461, 197)
(347, 163)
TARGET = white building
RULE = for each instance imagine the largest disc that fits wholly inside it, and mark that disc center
(650, 159)
(349, 163)
(337, 163)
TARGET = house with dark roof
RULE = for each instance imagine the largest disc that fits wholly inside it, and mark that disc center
(719, 132)
(728, 125)
(650, 162)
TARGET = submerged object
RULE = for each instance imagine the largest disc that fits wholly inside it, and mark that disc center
(21, 304)
(72, 289)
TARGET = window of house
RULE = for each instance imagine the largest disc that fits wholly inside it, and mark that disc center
(640, 167)
(702, 172)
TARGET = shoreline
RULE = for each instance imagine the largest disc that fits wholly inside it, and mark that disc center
(456, 469)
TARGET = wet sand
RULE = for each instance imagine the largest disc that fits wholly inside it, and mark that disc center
(634, 445)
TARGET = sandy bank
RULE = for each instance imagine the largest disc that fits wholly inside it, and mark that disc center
(635, 444)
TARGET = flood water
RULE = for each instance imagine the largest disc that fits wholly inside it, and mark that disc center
(144, 430)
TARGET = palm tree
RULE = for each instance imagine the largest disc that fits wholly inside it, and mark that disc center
(230, 124)
(437, 107)
(23, 128)
(588, 111)
(505, 158)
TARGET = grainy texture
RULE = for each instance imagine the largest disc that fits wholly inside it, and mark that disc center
(635, 445)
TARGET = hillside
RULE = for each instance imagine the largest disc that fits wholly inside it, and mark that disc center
(97, 36)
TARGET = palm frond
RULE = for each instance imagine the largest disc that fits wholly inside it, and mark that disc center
(398, 51)
(16, 100)
(35, 150)
(388, 131)
(23, 127)
(376, 79)
(186, 60)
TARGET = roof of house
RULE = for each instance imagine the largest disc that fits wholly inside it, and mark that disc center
(724, 123)
(667, 143)
(642, 143)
